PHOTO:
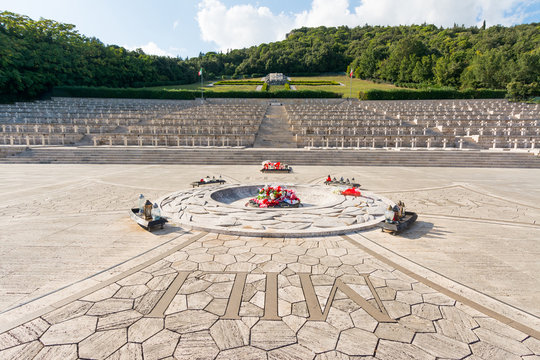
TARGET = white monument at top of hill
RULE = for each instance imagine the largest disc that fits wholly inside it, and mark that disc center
(275, 79)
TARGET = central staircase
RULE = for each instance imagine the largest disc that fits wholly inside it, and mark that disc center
(274, 131)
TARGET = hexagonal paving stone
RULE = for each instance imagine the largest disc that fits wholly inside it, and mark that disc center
(438, 299)
(129, 351)
(102, 344)
(263, 250)
(199, 345)
(339, 319)
(498, 327)
(363, 320)
(220, 290)
(228, 334)
(110, 306)
(318, 336)
(285, 258)
(484, 350)
(455, 331)
(417, 324)
(441, 346)
(67, 312)
(269, 335)
(161, 282)
(193, 285)
(409, 297)
(131, 291)
(27, 332)
(146, 303)
(246, 352)
(64, 352)
(70, 331)
(139, 278)
(225, 259)
(333, 355)
(427, 311)
(396, 350)
(351, 260)
(330, 260)
(144, 329)
(190, 321)
(22, 352)
(357, 342)
(198, 300)
(394, 332)
(118, 320)
(160, 345)
(501, 341)
(291, 352)
(397, 309)
(106, 292)
(272, 266)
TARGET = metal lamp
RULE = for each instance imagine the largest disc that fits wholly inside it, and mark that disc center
(148, 210)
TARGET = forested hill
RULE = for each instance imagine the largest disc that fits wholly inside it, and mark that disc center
(36, 55)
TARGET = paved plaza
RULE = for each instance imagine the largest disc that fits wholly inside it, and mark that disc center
(79, 279)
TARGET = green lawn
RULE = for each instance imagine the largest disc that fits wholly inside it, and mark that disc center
(357, 85)
(217, 88)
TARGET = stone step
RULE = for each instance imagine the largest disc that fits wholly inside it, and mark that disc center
(274, 131)
(292, 157)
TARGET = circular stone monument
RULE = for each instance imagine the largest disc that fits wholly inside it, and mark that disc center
(222, 210)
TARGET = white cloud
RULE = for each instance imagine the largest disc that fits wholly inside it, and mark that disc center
(151, 49)
(175, 25)
(240, 26)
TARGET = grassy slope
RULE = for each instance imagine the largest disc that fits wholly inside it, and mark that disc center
(357, 85)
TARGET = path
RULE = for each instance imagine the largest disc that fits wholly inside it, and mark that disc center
(275, 131)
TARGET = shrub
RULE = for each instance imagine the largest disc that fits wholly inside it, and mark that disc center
(431, 94)
(265, 87)
(287, 86)
(520, 91)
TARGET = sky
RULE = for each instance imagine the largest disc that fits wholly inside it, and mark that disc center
(184, 28)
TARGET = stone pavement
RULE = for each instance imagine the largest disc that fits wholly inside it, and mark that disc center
(227, 297)
(445, 289)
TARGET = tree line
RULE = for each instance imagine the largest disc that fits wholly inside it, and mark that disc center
(36, 55)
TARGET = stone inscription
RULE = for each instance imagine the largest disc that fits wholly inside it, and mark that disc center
(373, 305)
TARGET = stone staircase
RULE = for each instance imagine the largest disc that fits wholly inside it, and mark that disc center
(275, 131)
(253, 156)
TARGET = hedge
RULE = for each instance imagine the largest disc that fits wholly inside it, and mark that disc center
(139, 84)
(277, 94)
(239, 82)
(172, 94)
(313, 82)
(130, 93)
(431, 94)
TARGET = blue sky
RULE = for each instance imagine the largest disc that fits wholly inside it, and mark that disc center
(185, 28)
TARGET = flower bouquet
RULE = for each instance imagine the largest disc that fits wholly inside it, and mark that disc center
(269, 166)
(274, 197)
(351, 192)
